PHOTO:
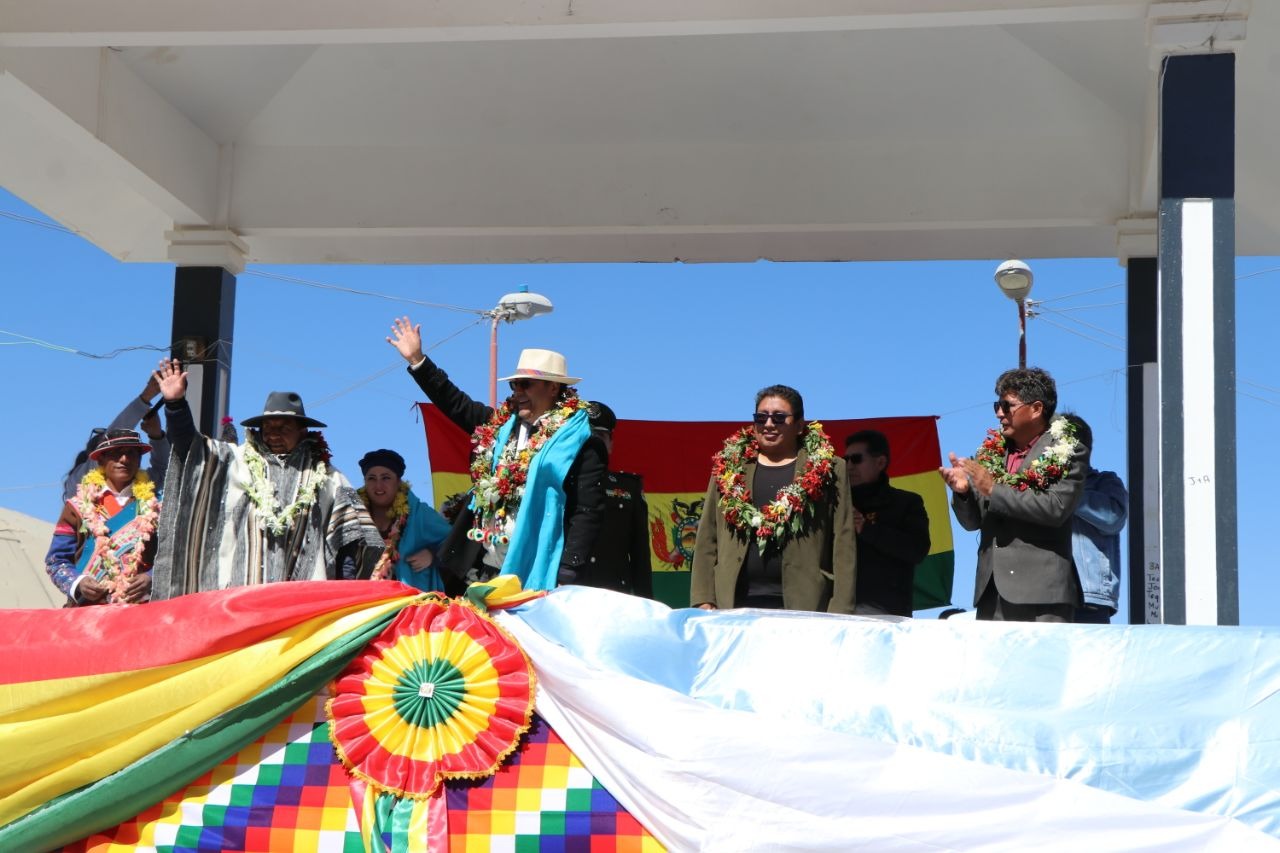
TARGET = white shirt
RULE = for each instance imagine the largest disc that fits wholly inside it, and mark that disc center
(496, 552)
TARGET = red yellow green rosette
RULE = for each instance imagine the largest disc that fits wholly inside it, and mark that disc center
(442, 693)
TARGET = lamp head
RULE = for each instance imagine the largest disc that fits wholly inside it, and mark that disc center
(1014, 278)
(523, 305)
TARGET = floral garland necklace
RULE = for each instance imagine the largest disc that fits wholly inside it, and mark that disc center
(499, 489)
(117, 557)
(263, 495)
(1045, 470)
(786, 514)
(399, 514)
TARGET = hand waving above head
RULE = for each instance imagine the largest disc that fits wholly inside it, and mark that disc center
(407, 339)
(171, 379)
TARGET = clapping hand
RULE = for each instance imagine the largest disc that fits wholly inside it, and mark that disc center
(955, 475)
(407, 339)
(980, 478)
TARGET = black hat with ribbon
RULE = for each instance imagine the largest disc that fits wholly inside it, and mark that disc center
(119, 439)
(282, 404)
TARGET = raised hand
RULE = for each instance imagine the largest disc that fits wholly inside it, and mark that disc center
(171, 380)
(407, 339)
(955, 476)
(152, 389)
(151, 426)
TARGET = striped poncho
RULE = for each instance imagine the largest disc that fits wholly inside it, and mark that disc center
(212, 536)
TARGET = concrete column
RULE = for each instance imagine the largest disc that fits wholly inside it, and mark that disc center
(1196, 292)
(1143, 481)
(204, 303)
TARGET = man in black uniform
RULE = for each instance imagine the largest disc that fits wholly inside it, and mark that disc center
(620, 559)
(892, 528)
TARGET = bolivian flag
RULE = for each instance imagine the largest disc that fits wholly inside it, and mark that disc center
(674, 458)
(106, 710)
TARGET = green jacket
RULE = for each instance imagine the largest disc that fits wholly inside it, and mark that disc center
(819, 566)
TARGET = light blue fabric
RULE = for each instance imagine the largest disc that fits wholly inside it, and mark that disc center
(1095, 537)
(538, 540)
(425, 528)
(1184, 716)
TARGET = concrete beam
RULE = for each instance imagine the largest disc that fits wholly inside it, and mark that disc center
(82, 23)
(87, 142)
(919, 241)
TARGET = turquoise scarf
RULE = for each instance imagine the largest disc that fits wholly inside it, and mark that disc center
(538, 540)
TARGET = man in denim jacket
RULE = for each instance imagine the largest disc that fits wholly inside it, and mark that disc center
(1095, 536)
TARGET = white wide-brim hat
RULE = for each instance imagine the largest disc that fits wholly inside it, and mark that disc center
(547, 365)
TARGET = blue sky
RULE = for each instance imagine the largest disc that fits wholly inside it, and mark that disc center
(656, 341)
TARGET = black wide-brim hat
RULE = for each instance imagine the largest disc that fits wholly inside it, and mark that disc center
(282, 404)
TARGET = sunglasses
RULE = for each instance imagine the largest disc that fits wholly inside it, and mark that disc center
(117, 452)
(778, 418)
(855, 458)
(1005, 407)
(520, 384)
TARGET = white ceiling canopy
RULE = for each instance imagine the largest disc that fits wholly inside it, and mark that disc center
(599, 130)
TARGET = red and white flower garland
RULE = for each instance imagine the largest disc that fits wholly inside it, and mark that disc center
(1042, 472)
(787, 513)
(499, 489)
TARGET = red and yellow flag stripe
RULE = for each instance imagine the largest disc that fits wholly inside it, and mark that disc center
(123, 682)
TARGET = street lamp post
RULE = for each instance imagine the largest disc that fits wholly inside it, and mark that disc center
(514, 306)
(1014, 279)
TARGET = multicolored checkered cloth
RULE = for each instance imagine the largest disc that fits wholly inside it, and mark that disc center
(287, 792)
(541, 799)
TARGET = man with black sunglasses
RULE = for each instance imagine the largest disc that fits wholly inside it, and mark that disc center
(533, 458)
(892, 527)
(1021, 490)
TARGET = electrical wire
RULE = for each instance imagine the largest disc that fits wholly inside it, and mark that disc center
(1078, 322)
(1259, 385)
(26, 339)
(52, 226)
(1081, 334)
(29, 486)
(1039, 302)
(384, 371)
(288, 279)
(1258, 273)
(306, 282)
(1078, 307)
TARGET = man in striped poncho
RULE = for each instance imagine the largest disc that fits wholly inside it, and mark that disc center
(270, 509)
